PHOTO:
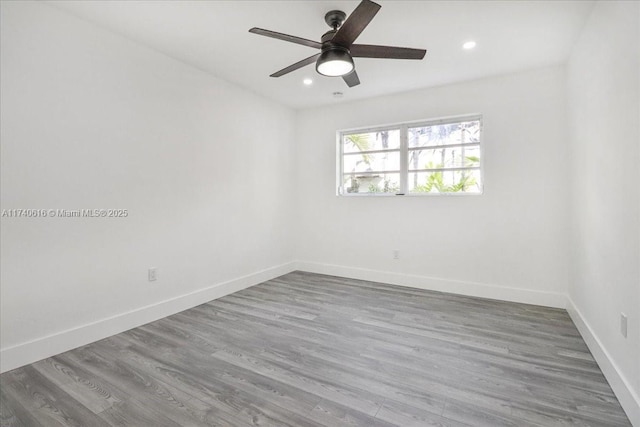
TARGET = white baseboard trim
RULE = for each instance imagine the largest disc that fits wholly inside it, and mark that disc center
(482, 290)
(41, 348)
(620, 385)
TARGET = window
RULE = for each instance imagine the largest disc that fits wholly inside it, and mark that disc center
(430, 157)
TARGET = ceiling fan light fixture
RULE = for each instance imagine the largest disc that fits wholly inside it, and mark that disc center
(335, 62)
(337, 48)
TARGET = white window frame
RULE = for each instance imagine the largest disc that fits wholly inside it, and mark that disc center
(404, 156)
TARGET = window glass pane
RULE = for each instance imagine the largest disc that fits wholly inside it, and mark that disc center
(450, 157)
(472, 156)
(373, 161)
(364, 162)
(379, 140)
(466, 181)
(372, 183)
(445, 134)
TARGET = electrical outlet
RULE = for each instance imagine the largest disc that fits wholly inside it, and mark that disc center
(623, 324)
(396, 254)
(153, 274)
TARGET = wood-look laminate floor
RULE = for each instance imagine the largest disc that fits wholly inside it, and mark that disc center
(313, 350)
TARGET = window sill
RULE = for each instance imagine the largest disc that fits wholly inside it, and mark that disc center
(356, 195)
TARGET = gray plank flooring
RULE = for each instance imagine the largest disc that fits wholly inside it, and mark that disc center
(313, 350)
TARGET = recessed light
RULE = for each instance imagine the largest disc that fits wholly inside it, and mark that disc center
(469, 45)
(307, 81)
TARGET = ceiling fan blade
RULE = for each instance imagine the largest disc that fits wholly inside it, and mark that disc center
(285, 37)
(356, 23)
(351, 79)
(299, 64)
(392, 52)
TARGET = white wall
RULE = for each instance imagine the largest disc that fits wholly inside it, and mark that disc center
(509, 243)
(603, 83)
(92, 120)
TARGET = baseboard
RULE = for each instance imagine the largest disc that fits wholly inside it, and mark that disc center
(41, 348)
(621, 386)
(482, 290)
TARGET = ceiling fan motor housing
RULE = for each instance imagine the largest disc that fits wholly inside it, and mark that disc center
(332, 52)
(327, 36)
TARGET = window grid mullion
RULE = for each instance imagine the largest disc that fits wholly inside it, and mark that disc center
(438, 147)
(404, 159)
(447, 169)
(462, 135)
(359, 153)
(340, 177)
(379, 172)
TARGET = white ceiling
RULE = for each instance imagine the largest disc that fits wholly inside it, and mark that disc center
(213, 36)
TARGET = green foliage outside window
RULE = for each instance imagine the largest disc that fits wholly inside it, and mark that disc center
(435, 180)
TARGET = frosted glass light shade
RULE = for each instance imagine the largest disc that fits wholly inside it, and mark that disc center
(334, 63)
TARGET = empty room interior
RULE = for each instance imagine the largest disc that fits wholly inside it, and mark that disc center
(320, 213)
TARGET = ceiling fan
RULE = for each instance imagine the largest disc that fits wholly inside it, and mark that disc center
(336, 47)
